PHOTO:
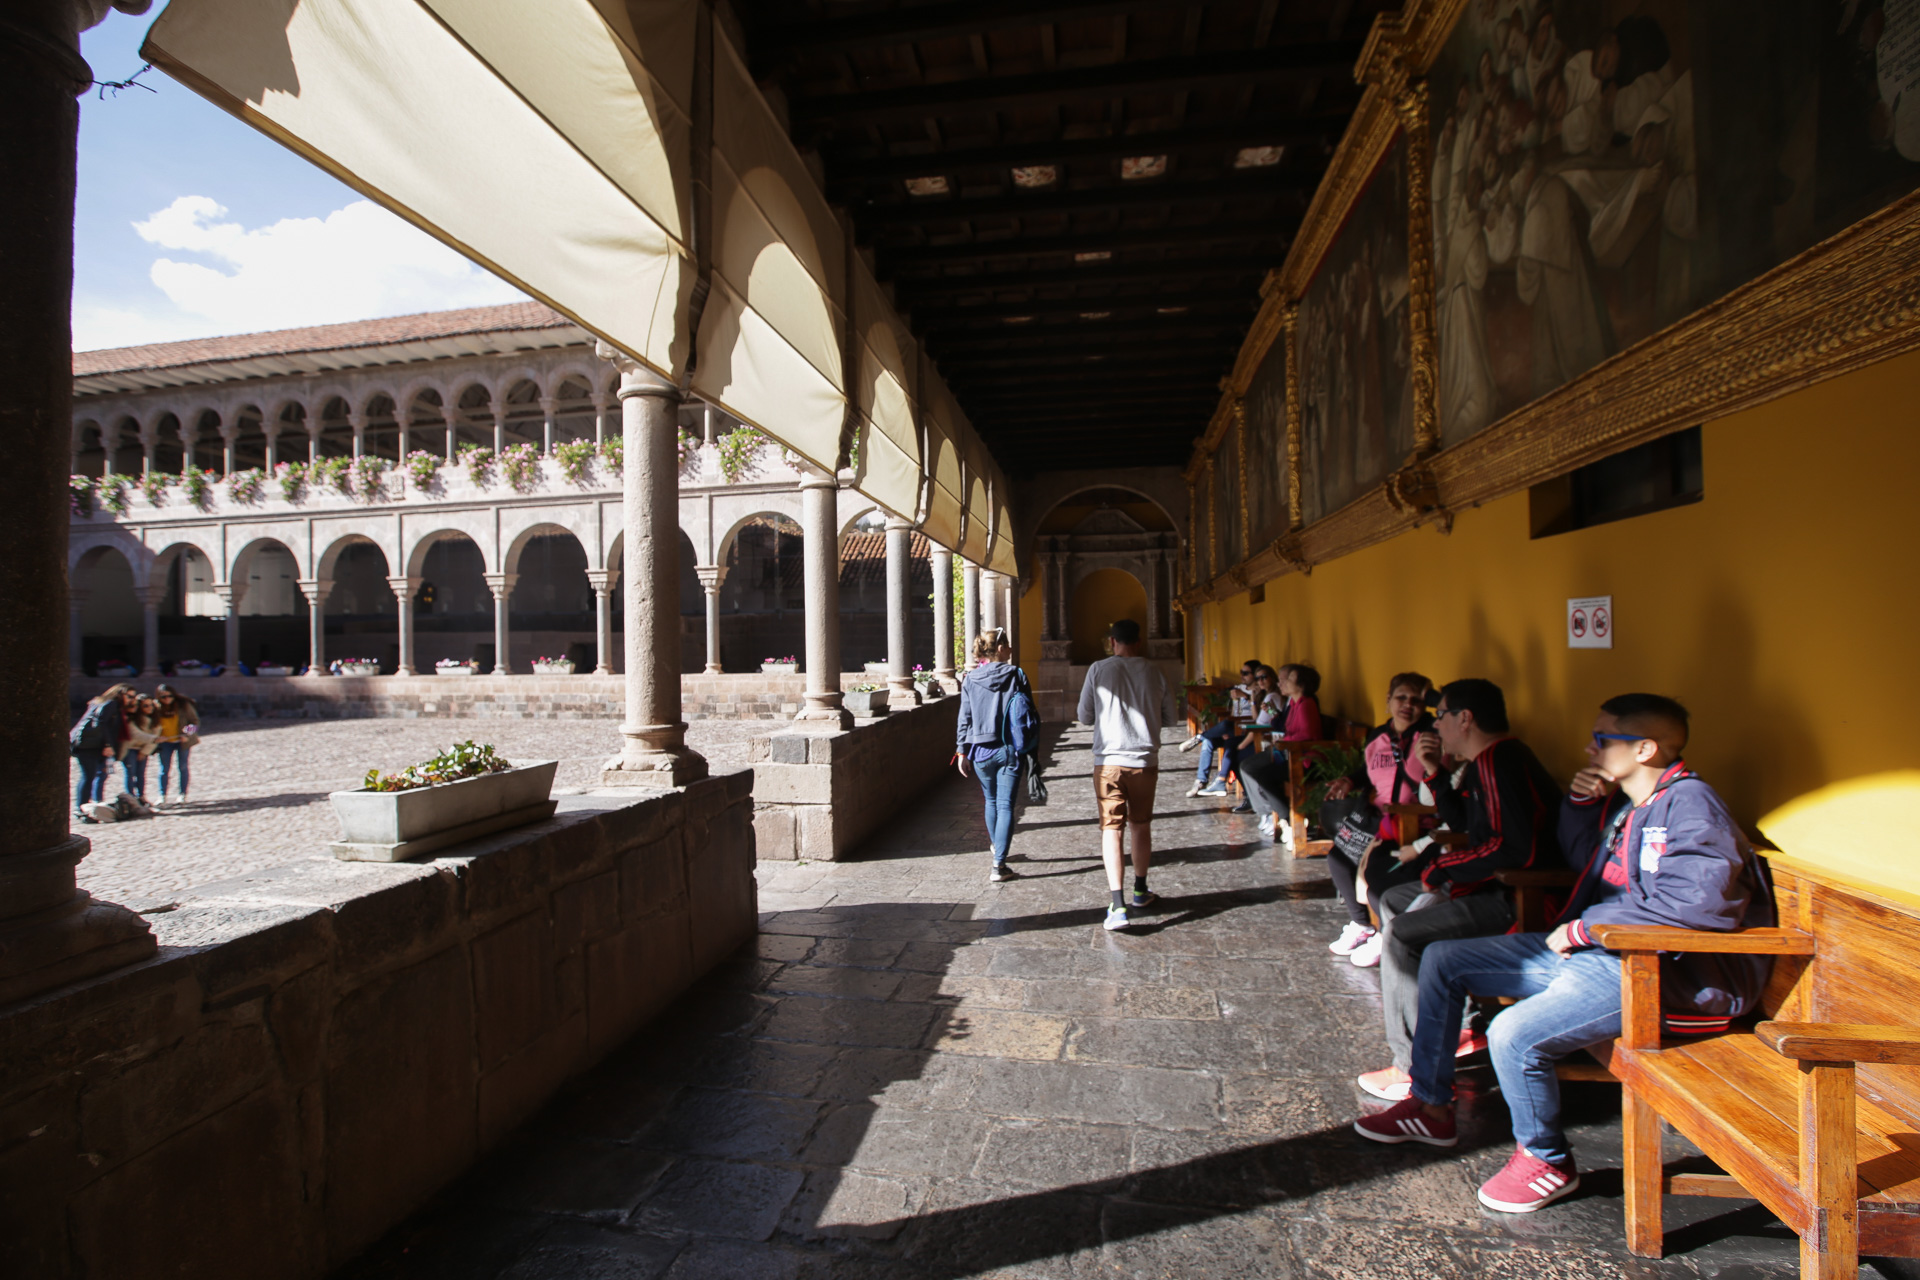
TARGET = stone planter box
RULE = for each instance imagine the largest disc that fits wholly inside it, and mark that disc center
(190, 673)
(930, 689)
(779, 668)
(389, 826)
(553, 668)
(877, 669)
(464, 669)
(359, 668)
(872, 702)
(271, 670)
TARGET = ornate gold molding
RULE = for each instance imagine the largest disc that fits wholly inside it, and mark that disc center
(1289, 330)
(1213, 520)
(1240, 471)
(1424, 353)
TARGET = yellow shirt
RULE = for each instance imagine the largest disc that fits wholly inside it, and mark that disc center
(169, 726)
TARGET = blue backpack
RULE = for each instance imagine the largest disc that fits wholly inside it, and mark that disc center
(90, 733)
(1019, 723)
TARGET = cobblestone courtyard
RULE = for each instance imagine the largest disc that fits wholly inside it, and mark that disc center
(260, 789)
(917, 1074)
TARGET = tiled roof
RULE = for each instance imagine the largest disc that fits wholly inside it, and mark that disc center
(326, 337)
(863, 556)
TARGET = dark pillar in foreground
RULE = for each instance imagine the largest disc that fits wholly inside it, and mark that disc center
(50, 934)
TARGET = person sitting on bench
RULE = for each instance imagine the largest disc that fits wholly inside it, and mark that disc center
(1268, 716)
(1654, 845)
(1214, 738)
(1505, 805)
(1265, 778)
(1359, 801)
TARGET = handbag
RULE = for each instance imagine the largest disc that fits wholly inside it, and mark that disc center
(1355, 834)
(1036, 785)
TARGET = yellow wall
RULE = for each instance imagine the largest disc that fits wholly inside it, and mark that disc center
(1103, 598)
(1782, 608)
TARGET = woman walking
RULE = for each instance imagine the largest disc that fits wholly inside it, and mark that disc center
(179, 734)
(997, 726)
(94, 741)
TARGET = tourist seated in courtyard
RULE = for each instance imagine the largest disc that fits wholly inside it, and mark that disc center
(1268, 715)
(1358, 804)
(1654, 845)
(1214, 738)
(1265, 778)
(1506, 805)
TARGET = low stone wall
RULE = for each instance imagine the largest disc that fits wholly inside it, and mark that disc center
(318, 1047)
(816, 796)
(575, 697)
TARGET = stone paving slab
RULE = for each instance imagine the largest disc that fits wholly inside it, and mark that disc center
(260, 789)
(913, 1073)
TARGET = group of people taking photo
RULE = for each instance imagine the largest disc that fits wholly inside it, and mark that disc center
(1443, 800)
(124, 726)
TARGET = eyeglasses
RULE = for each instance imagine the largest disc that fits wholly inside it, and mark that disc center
(1444, 712)
(1600, 740)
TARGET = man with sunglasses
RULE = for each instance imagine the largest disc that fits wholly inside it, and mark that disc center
(1654, 845)
(1215, 737)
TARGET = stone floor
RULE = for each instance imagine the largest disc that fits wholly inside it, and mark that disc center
(260, 789)
(918, 1074)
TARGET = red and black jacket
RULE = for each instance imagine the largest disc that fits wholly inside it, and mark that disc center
(1507, 804)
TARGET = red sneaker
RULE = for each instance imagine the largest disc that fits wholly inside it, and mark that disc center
(1390, 1083)
(1409, 1122)
(1471, 1042)
(1528, 1183)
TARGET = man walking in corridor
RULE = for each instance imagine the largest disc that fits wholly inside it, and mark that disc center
(1122, 700)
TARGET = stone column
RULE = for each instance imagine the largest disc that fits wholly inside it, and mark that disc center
(1010, 611)
(499, 430)
(989, 594)
(501, 584)
(451, 416)
(316, 590)
(546, 425)
(711, 578)
(76, 605)
(189, 438)
(272, 432)
(1153, 595)
(601, 580)
(599, 418)
(229, 435)
(819, 521)
(149, 438)
(230, 593)
(942, 615)
(969, 611)
(151, 597)
(50, 933)
(403, 592)
(314, 428)
(655, 753)
(357, 420)
(900, 690)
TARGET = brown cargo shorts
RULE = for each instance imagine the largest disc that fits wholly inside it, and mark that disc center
(1125, 795)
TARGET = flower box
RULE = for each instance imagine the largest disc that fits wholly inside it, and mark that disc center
(559, 667)
(879, 668)
(779, 668)
(454, 668)
(360, 667)
(113, 670)
(866, 702)
(270, 669)
(389, 826)
(190, 670)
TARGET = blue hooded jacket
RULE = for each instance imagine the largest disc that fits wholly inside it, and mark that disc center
(984, 697)
(1678, 860)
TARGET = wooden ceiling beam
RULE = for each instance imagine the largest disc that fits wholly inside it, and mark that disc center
(927, 22)
(1080, 309)
(912, 290)
(814, 114)
(1261, 235)
(1256, 184)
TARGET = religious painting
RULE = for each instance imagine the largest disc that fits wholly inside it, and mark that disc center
(1603, 168)
(1355, 353)
(1265, 406)
(1226, 502)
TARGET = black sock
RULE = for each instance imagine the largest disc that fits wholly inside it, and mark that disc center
(1119, 899)
(1139, 884)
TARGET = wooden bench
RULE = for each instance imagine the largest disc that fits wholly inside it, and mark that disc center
(1346, 735)
(1815, 1112)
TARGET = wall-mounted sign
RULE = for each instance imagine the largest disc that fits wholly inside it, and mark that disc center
(1590, 623)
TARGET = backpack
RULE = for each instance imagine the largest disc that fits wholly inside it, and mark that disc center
(90, 734)
(1019, 723)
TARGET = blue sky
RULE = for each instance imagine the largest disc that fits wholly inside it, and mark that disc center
(239, 235)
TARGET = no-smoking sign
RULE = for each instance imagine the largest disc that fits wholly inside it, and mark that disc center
(1590, 622)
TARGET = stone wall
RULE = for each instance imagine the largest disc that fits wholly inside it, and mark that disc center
(318, 1047)
(575, 697)
(817, 795)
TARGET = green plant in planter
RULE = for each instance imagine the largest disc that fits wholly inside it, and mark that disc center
(292, 479)
(612, 453)
(245, 486)
(521, 465)
(478, 460)
(576, 460)
(1329, 763)
(332, 473)
(864, 688)
(739, 451)
(461, 760)
(154, 486)
(112, 492)
(423, 469)
(198, 487)
(366, 477)
(688, 444)
(80, 495)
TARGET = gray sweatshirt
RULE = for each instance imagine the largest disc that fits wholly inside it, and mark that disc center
(1122, 700)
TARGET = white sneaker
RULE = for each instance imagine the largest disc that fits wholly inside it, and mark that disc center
(100, 811)
(1197, 789)
(1266, 824)
(1350, 939)
(1190, 743)
(1117, 918)
(1283, 832)
(1367, 954)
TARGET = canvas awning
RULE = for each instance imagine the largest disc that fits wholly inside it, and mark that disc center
(554, 145)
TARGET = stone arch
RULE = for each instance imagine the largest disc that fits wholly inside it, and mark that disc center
(1096, 598)
(474, 526)
(337, 537)
(201, 541)
(354, 586)
(88, 549)
(760, 508)
(255, 594)
(545, 523)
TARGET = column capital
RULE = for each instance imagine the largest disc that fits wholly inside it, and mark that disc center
(601, 580)
(900, 524)
(812, 477)
(404, 585)
(357, 419)
(151, 596)
(711, 575)
(501, 584)
(230, 593)
(315, 589)
(636, 379)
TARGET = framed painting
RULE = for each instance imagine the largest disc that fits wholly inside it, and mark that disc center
(1264, 407)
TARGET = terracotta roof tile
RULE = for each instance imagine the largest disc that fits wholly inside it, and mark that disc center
(326, 337)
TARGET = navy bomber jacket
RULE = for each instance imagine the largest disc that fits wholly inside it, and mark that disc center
(1677, 860)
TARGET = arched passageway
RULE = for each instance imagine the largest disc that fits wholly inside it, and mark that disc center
(1102, 598)
(763, 596)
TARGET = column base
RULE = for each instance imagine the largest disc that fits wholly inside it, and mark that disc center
(823, 713)
(656, 756)
(71, 939)
(403, 671)
(901, 694)
(711, 669)
(603, 670)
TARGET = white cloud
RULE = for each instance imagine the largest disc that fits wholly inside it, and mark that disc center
(357, 263)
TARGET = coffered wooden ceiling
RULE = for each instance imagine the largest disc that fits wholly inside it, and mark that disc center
(1073, 203)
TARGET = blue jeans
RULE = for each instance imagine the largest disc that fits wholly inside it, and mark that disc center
(133, 771)
(93, 776)
(1564, 1005)
(999, 775)
(1210, 739)
(170, 754)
